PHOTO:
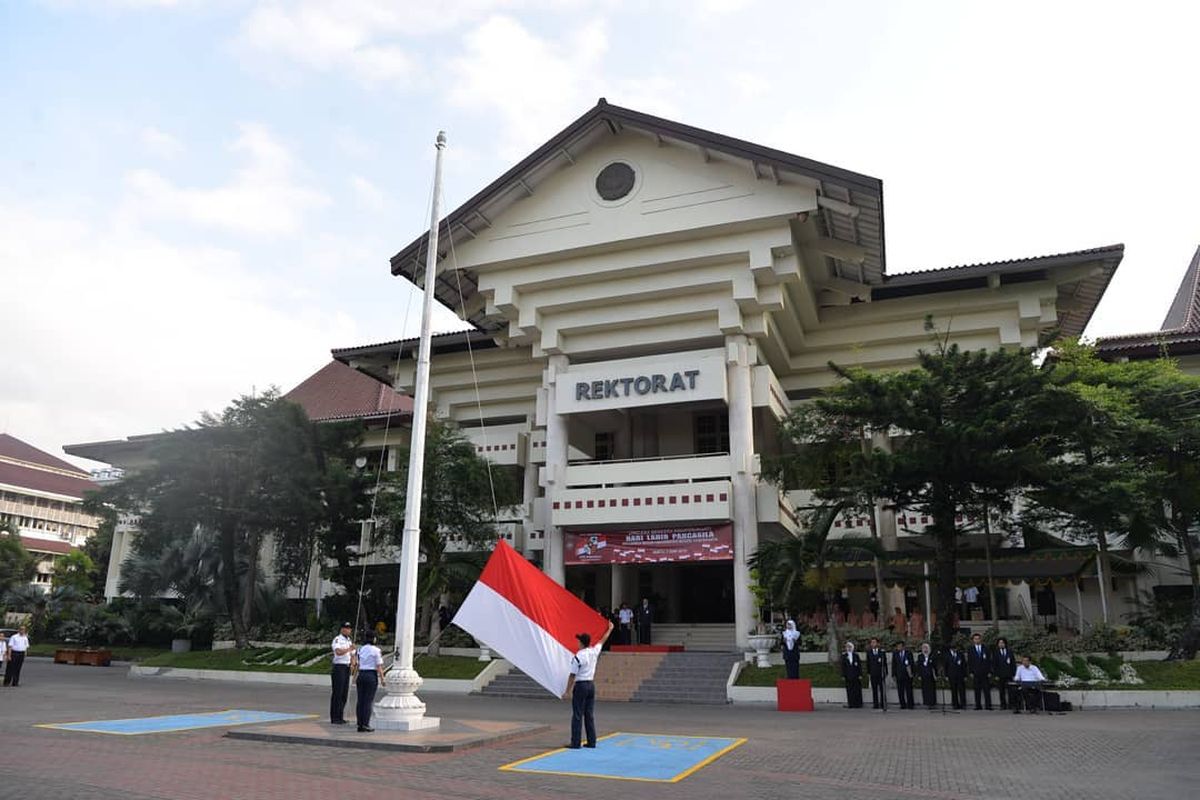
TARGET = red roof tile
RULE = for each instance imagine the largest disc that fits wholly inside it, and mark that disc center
(338, 392)
(35, 545)
(12, 447)
(45, 481)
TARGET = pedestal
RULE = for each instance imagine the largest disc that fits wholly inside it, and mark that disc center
(400, 709)
(793, 695)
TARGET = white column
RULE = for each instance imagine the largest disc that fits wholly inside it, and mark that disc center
(529, 497)
(739, 358)
(556, 469)
(620, 585)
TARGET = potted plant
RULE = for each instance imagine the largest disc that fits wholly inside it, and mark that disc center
(95, 627)
(182, 625)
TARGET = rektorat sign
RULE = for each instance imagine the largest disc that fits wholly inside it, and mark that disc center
(641, 384)
(648, 381)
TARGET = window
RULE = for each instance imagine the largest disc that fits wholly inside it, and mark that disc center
(712, 433)
(606, 446)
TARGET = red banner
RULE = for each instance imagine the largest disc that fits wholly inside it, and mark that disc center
(652, 546)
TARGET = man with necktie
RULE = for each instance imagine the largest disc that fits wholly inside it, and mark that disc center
(877, 669)
(902, 669)
(954, 667)
(1004, 669)
(979, 662)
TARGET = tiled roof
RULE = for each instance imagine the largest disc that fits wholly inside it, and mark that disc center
(35, 545)
(12, 447)
(1072, 255)
(1180, 327)
(338, 392)
(45, 481)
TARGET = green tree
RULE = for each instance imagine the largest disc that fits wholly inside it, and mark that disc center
(962, 425)
(462, 493)
(74, 569)
(17, 564)
(253, 475)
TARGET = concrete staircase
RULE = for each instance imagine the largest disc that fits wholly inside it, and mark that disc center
(696, 638)
(640, 678)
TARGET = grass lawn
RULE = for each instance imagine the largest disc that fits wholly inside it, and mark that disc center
(121, 652)
(441, 667)
(1158, 675)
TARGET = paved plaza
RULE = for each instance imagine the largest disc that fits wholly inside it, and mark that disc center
(832, 753)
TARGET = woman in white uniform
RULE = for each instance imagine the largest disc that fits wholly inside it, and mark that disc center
(370, 675)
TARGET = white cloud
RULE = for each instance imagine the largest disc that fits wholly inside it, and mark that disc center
(262, 198)
(160, 143)
(113, 331)
(369, 195)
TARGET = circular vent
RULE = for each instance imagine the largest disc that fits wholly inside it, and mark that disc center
(615, 181)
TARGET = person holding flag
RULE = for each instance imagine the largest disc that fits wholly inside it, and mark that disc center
(582, 688)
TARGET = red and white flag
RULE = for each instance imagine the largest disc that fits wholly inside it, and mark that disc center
(522, 614)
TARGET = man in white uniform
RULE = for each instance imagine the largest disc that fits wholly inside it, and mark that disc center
(17, 646)
(343, 649)
(582, 688)
(1031, 679)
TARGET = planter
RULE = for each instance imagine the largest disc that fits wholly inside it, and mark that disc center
(94, 658)
(762, 644)
(793, 695)
(181, 645)
(66, 656)
(485, 653)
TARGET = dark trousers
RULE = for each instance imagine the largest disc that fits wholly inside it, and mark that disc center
(1031, 698)
(583, 706)
(958, 693)
(792, 665)
(928, 691)
(340, 678)
(878, 692)
(644, 633)
(1002, 690)
(367, 685)
(12, 671)
(625, 634)
(905, 689)
(854, 692)
(983, 692)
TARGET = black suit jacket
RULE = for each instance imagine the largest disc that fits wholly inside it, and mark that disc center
(877, 666)
(954, 665)
(644, 615)
(1004, 666)
(852, 667)
(903, 665)
(927, 665)
(980, 663)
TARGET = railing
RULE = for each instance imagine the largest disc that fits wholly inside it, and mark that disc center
(647, 471)
(1068, 617)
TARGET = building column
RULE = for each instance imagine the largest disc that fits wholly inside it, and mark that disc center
(529, 493)
(739, 358)
(620, 585)
(556, 469)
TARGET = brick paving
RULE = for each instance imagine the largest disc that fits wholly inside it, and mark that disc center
(832, 753)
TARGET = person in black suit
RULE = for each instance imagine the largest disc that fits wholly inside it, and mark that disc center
(852, 674)
(791, 650)
(903, 668)
(877, 669)
(954, 667)
(927, 670)
(979, 662)
(645, 618)
(1004, 668)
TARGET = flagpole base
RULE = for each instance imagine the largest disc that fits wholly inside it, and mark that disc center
(400, 709)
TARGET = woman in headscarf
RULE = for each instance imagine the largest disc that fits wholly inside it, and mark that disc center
(927, 671)
(852, 673)
(791, 650)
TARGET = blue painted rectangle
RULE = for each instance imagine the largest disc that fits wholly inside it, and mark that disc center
(175, 722)
(632, 756)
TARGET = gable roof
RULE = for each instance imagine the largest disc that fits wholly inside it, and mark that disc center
(1180, 331)
(13, 448)
(26, 467)
(338, 392)
(851, 204)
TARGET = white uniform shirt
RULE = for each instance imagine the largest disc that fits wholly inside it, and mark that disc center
(341, 643)
(3, 648)
(1030, 673)
(626, 616)
(19, 643)
(583, 663)
(369, 658)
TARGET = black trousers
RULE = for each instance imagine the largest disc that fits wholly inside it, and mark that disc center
(625, 635)
(583, 707)
(904, 688)
(792, 665)
(1002, 690)
(878, 692)
(854, 692)
(340, 679)
(367, 685)
(983, 691)
(644, 633)
(958, 693)
(12, 671)
(928, 691)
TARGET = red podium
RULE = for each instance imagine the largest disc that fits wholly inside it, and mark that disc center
(793, 695)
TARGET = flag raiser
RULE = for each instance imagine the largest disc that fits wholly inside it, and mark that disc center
(522, 614)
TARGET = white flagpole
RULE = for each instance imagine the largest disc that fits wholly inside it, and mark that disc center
(401, 709)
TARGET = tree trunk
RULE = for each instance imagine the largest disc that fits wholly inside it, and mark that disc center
(229, 587)
(831, 629)
(251, 579)
(1103, 578)
(991, 582)
(1189, 639)
(945, 566)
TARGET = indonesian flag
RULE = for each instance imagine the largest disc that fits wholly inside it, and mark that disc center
(522, 614)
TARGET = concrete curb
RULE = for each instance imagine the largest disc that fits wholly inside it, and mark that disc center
(1094, 698)
(437, 685)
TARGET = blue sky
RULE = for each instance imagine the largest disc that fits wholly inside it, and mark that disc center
(198, 198)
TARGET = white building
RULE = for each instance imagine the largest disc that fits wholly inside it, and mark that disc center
(649, 300)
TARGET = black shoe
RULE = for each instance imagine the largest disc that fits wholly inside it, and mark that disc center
(571, 746)
(1016, 711)
(365, 729)
(875, 706)
(591, 746)
(337, 722)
